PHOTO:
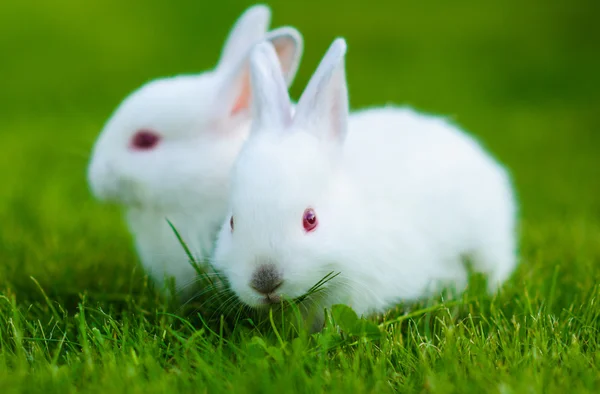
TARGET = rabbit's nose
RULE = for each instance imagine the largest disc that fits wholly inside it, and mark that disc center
(266, 279)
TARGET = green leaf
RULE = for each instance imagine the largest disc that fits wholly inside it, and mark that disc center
(276, 354)
(344, 317)
(367, 329)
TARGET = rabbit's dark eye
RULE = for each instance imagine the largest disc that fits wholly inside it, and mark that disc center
(309, 220)
(145, 140)
(231, 223)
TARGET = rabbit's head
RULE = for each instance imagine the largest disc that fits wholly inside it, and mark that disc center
(174, 139)
(290, 203)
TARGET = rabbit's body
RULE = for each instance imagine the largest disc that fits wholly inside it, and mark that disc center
(432, 196)
(167, 151)
(391, 200)
(159, 248)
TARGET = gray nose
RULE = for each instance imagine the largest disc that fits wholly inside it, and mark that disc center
(266, 279)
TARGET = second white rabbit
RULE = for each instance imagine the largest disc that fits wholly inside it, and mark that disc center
(167, 151)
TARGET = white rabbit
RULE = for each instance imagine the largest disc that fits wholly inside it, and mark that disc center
(167, 151)
(390, 199)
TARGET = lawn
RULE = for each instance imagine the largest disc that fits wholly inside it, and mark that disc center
(77, 313)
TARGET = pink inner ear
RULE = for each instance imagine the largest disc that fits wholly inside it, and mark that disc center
(242, 102)
(285, 51)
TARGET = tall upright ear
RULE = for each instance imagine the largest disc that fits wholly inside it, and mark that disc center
(271, 102)
(250, 27)
(289, 46)
(236, 94)
(323, 107)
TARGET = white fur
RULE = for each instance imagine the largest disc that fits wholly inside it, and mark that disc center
(401, 199)
(186, 177)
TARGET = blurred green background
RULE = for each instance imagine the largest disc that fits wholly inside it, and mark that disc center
(520, 75)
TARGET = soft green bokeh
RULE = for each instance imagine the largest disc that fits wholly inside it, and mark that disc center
(522, 76)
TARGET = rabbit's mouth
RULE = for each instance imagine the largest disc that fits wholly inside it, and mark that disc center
(270, 299)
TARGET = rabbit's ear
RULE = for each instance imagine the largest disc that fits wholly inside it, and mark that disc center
(289, 46)
(271, 102)
(250, 27)
(236, 92)
(323, 107)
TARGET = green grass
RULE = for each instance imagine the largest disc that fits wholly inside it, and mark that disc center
(77, 313)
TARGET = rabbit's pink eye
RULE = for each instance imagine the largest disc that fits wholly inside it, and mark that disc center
(231, 223)
(309, 220)
(144, 140)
